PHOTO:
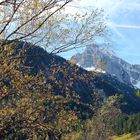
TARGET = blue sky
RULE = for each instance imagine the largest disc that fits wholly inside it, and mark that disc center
(124, 21)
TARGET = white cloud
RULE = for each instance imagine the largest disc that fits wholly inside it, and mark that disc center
(127, 26)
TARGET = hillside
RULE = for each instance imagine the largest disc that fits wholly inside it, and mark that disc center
(84, 83)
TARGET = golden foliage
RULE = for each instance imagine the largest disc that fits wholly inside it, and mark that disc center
(28, 105)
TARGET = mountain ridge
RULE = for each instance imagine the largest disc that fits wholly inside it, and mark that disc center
(93, 56)
(89, 82)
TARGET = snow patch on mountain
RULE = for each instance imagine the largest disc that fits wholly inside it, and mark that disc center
(138, 84)
(98, 70)
(94, 69)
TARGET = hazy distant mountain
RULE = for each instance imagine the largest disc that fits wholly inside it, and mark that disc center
(104, 60)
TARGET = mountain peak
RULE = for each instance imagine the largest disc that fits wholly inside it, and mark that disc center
(96, 58)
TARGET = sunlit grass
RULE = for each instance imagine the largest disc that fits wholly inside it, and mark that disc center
(73, 136)
(124, 137)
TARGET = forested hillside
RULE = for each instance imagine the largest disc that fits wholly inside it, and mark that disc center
(44, 96)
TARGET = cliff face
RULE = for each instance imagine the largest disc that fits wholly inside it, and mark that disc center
(97, 58)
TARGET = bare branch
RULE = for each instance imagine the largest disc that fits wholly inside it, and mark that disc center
(47, 7)
(10, 19)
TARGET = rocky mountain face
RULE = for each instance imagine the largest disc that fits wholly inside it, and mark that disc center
(103, 60)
